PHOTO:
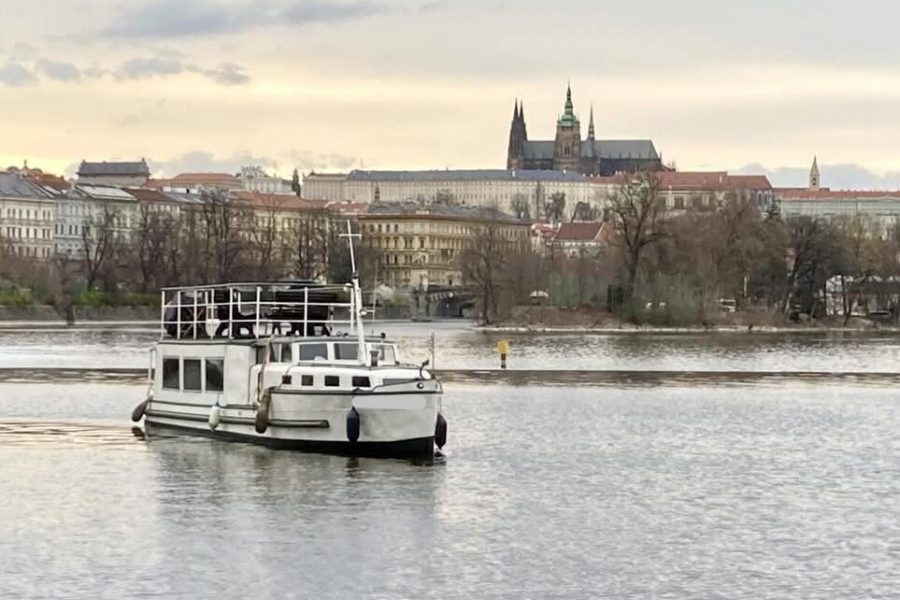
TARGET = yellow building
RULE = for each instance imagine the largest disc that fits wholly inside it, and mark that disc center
(425, 245)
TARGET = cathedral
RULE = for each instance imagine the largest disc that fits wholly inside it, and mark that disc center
(570, 153)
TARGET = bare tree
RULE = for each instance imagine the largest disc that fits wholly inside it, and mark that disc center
(638, 216)
(100, 244)
(519, 205)
(484, 263)
(306, 245)
(223, 219)
(555, 209)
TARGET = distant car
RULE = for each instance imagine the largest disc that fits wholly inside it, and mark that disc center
(728, 305)
(539, 297)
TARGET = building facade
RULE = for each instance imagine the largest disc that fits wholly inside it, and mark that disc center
(567, 151)
(422, 246)
(324, 186)
(881, 208)
(520, 193)
(255, 179)
(114, 173)
(27, 216)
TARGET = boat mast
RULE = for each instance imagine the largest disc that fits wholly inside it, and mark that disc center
(358, 310)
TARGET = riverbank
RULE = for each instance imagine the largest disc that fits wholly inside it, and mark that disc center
(553, 320)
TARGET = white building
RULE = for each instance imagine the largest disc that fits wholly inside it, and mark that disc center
(27, 214)
(511, 191)
(255, 179)
(324, 186)
(879, 207)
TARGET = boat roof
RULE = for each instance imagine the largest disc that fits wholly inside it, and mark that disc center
(281, 339)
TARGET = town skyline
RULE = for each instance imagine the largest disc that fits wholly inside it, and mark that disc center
(192, 88)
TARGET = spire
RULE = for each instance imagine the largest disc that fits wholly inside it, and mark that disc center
(522, 110)
(814, 175)
(516, 109)
(591, 124)
(569, 109)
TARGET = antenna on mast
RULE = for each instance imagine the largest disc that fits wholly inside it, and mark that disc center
(358, 312)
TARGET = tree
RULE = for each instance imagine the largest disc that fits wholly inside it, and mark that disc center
(555, 209)
(100, 244)
(637, 210)
(264, 241)
(222, 223)
(519, 206)
(815, 252)
(295, 182)
(584, 212)
(306, 245)
(483, 263)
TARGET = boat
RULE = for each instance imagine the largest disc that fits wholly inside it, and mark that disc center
(287, 364)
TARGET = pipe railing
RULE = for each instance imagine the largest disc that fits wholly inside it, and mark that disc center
(196, 312)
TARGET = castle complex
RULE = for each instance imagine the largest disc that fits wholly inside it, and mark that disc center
(570, 153)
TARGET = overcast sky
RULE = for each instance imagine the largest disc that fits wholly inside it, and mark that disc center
(756, 86)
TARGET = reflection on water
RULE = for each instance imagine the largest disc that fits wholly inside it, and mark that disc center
(459, 347)
(744, 492)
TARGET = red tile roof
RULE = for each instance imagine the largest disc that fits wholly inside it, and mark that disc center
(578, 232)
(279, 201)
(805, 194)
(697, 180)
(211, 179)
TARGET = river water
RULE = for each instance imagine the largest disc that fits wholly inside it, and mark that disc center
(747, 491)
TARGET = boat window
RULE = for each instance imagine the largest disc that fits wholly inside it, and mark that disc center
(386, 354)
(170, 374)
(192, 374)
(287, 354)
(313, 351)
(214, 374)
(306, 380)
(332, 381)
(345, 351)
(361, 382)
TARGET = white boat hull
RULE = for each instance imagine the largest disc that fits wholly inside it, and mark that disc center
(390, 423)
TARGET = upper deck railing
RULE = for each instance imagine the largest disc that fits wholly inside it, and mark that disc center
(247, 310)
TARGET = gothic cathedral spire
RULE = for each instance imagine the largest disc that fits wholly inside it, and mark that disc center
(591, 124)
(814, 175)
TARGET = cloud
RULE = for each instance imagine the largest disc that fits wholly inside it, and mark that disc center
(140, 68)
(847, 176)
(59, 70)
(175, 18)
(228, 74)
(432, 6)
(307, 160)
(200, 161)
(167, 65)
(304, 13)
(14, 74)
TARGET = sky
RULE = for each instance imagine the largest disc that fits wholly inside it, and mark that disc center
(199, 85)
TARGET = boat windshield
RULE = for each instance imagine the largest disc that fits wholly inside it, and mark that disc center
(386, 354)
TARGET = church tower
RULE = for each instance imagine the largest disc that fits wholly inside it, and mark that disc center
(518, 135)
(567, 146)
(814, 176)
